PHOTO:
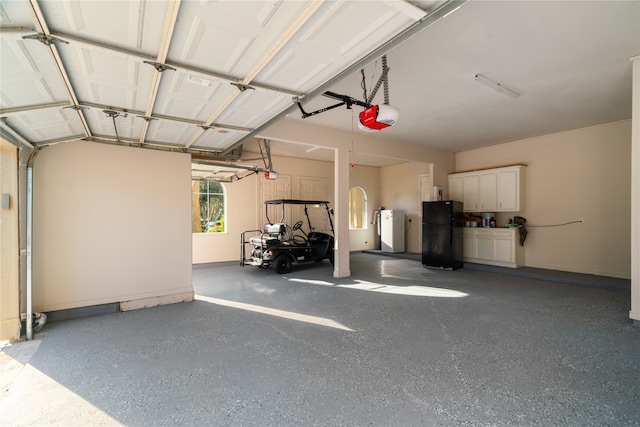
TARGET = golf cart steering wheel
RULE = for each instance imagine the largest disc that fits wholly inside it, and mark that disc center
(298, 239)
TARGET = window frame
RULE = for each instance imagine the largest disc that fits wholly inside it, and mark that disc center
(209, 194)
(365, 207)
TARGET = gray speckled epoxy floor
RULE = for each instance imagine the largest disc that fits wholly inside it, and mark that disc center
(513, 351)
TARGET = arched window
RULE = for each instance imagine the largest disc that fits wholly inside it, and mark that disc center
(208, 207)
(357, 208)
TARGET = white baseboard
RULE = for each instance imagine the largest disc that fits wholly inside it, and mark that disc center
(154, 301)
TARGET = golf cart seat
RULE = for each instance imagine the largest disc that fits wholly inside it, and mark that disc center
(273, 234)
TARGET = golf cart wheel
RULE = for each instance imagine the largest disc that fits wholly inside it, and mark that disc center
(282, 264)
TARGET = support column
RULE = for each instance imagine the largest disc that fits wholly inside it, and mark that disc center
(634, 314)
(341, 267)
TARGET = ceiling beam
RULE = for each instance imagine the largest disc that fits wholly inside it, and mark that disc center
(14, 134)
(165, 43)
(109, 49)
(201, 153)
(141, 114)
(28, 108)
(42, 27)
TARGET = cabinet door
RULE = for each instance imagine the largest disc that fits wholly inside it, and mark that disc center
(468, 246)
(456, 191)
(484, 246)
(487, 190)
(503, 247)
(508, 191)
(470, 187)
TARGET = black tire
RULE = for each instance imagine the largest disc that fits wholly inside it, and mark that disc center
(282, 264)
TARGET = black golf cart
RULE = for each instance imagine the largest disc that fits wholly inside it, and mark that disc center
(278, 245)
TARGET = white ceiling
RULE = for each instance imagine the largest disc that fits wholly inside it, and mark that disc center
(569, 61)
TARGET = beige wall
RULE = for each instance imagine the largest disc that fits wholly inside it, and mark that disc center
(579, 173)
(9, 248)
(400, 189)
(288, 130)
(111, 224)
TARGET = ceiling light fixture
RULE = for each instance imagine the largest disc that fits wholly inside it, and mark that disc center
(495, 86)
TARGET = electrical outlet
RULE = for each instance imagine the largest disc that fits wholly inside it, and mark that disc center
(581, 220)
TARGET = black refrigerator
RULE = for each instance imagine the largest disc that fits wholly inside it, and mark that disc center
(442, 224)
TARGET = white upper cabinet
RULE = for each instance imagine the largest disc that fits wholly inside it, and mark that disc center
(487, 190)
(509, 190)
(490, 190)
(470, 191)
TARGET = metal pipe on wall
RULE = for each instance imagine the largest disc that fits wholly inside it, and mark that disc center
(29, 321)
(29, 284)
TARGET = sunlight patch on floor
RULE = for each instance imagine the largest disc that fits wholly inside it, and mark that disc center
(363, 285)
(323, 321)
(35, 399)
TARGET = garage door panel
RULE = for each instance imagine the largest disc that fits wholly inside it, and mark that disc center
(170, 132)
(113, 80)
(229, 37)
(28, 75)
(217, 139)
(47, 124)
(129, 24)
(190, 95)
(252, 108)
(336, 36)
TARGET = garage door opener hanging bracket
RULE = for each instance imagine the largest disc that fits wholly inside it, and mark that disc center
(373, 117)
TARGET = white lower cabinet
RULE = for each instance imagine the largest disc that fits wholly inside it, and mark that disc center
(493, 246)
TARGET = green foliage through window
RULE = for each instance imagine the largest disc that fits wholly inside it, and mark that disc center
(208, 207)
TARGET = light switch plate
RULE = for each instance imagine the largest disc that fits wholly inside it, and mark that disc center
(6, 201)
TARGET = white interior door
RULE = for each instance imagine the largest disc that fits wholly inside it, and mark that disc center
(272, 189)
(314, 188)
(426, 188)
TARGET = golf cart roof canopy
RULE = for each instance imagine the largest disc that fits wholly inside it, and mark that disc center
(295, 202)
(305, 203)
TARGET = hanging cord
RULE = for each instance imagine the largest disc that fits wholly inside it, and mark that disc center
(352, 141)
(555, 225)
